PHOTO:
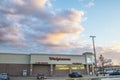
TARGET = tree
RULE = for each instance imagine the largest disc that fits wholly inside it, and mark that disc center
(104, 62)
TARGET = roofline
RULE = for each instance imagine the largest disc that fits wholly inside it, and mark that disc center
(65, 54)
(13, 53)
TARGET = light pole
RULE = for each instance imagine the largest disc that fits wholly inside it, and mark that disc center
(94, 50)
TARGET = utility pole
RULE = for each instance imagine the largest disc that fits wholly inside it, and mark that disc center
(94, 50)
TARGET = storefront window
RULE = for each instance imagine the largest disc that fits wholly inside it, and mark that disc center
(61, 67)
(76, 67)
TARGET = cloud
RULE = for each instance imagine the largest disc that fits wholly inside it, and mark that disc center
(28, 24)
(109, 53)
(90, 4)
(116, 46)
(9, 34)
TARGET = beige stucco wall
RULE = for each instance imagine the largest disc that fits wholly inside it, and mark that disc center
(14, 58)
(33, 58)
(45, 58)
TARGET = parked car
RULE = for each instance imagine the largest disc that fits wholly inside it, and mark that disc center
(109, 71)
(41, 76)
(1, 78)
(115, 73)
(4, 76)
(101, 73)
(75, 74)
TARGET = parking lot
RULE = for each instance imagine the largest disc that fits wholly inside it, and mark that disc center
(34, 78)
(23, 78)
(67, 78)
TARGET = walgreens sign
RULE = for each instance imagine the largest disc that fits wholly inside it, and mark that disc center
(59, 59)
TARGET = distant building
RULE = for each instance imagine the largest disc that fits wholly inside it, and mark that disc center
(50, 64)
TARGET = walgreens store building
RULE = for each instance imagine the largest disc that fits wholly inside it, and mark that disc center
(50, 64)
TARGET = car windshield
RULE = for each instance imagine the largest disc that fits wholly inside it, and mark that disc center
(4, 73)
(0, 75)
(76, 73)
(41, 74)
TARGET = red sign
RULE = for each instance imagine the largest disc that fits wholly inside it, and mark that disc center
(59, 59)
(41, 62)
(76, 63)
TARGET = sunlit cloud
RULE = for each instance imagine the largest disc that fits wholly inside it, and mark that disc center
(116, 46)
(109, 53)
(28, 22)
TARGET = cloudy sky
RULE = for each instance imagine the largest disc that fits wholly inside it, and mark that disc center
(60, 27)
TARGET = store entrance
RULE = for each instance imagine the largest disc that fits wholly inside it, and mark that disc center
(40, 68)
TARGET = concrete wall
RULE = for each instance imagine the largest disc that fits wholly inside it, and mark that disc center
(45, 58)
(14, 58)
(34, 58)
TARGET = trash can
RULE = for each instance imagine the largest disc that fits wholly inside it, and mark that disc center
(24, 72)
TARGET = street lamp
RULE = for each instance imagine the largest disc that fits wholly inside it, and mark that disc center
(94, 50)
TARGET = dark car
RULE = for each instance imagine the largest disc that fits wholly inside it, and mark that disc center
(115, 73)
(4, 76)
(75, 74)
(41, 76)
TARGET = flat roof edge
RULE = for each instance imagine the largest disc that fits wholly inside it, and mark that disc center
(39, 54)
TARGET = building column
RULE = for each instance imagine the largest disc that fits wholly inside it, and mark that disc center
(51, 69)
(93, 70)
(87, 68)
(31, 69)
(70, 68)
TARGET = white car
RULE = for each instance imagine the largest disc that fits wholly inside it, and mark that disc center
(109, 71)
(4, 76)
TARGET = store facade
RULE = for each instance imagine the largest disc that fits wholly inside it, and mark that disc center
(50, 64)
